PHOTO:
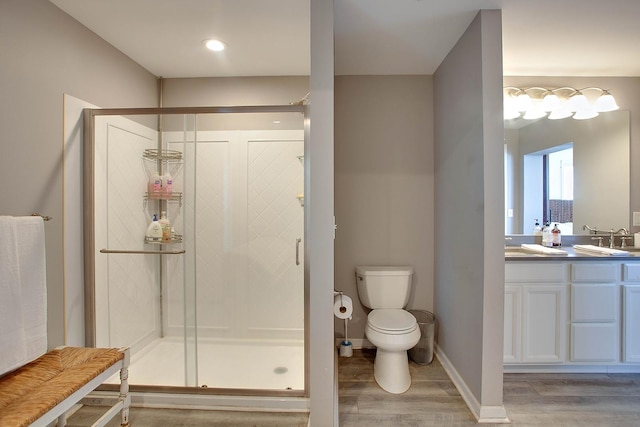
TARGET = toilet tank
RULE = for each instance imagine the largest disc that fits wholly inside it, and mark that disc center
(384, 286)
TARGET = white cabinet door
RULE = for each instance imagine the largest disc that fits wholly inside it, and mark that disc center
(595, 342)
(544, 318)
(512, 323)
(631, 323)
(595, 302)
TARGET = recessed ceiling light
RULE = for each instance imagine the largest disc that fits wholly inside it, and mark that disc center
(215, 45)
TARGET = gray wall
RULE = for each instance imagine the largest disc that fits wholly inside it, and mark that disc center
(319, 204)
(45, 54)
(223, 91)
(469, 200)
(384, 183)
(626, 90)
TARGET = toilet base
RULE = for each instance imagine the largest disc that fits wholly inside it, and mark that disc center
(391, 371)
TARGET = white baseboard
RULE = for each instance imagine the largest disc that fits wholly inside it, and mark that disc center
(205, 402)
(483, 414)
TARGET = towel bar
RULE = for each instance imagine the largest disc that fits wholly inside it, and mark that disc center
(114, 251)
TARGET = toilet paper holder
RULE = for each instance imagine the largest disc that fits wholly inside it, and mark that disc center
(346, 349)
(343, 309)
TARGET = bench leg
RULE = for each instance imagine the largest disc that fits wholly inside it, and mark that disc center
(62, 420)
(124, 389)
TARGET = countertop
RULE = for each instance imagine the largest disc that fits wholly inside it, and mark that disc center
(516, 253)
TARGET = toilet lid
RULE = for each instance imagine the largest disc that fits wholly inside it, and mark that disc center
(392, 320)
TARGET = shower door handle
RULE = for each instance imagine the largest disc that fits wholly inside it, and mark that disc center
(298, 240)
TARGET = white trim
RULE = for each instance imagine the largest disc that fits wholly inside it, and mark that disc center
(483, 414)
(206, 402)
(625, 368)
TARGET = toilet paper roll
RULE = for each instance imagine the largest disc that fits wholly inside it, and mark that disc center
(342, 306)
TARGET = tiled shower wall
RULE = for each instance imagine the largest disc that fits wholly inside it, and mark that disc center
(240, 217)
(126, 289)
(247, 217)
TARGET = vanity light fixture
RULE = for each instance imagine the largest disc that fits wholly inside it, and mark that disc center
(215, 45)
(535, 102)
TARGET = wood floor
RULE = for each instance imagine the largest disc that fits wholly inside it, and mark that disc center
(567, 400)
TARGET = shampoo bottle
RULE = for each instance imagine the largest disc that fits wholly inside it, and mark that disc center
(167, 184)
(166, 226)
(154, 231)
(154, 186)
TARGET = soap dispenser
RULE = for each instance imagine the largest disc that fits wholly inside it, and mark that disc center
(555, 239)
(154, 231)
(537, 230)
(547, 237)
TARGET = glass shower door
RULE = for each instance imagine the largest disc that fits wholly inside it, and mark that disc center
(221, 306)
(248, 230)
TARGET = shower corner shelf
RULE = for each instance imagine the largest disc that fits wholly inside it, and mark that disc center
(175, 196)
(168, 155)
(300, 198)
(176, 239)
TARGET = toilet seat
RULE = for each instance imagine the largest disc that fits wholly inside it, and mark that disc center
(392, 321)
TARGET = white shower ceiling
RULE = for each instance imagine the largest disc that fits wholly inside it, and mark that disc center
(267, 38)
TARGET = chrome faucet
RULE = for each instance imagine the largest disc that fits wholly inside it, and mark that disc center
(594, 230)
(624, 235)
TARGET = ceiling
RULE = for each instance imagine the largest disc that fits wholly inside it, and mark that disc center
(375, 37)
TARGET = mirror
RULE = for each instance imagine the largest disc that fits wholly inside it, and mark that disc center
(593, 185)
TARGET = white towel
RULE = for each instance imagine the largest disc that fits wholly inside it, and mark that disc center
(23, 294)
(601, 250)
(543, 249)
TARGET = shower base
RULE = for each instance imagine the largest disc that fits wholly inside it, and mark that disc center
(260, 365)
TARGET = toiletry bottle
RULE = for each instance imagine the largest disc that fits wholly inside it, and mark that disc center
(167, 184)
(154, 231)
(537, 230)
(546, 235)
(555, 239)
(155, 186)
(166, 226)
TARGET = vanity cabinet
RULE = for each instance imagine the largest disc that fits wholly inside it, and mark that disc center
(631, 313)
(535, 313)
(595, 312)
(572, 316)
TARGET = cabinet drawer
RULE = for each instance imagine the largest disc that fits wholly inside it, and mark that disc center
(595, 302)
(609, 272)
(631, 272)
(597, 342)
(535, 272)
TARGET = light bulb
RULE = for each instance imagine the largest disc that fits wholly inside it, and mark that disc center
(586, 113)
(523, 102)
(534, 113)
(606, 102)
(550, 102)
(578, 102)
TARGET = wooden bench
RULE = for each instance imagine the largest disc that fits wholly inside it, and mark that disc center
(42, 391)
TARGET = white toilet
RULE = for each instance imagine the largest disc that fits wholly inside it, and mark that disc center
(390, 328)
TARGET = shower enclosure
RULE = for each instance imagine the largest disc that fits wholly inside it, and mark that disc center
(218, 305)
